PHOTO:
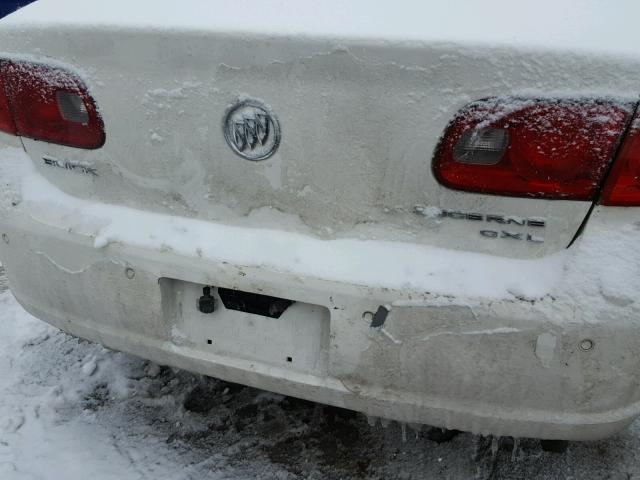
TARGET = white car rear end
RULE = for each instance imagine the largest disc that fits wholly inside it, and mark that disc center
(256, 191)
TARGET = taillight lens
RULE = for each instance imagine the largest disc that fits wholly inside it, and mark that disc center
(544, 148)
(6, 118)
(622, 187)
(48, 103)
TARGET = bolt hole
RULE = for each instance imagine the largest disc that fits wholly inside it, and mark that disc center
(367, 316)
(209, 341)
(586, 344)
(289, 359)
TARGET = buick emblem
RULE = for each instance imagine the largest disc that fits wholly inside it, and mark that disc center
(251, 130)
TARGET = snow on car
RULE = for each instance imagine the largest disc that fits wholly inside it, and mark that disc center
(420, 213)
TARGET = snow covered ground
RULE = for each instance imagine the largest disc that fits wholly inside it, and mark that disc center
(70, 409)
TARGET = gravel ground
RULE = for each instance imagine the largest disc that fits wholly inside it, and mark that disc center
(72, 409)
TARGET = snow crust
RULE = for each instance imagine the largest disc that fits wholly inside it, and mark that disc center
(582, 25)
(35, 442)
(395, 265)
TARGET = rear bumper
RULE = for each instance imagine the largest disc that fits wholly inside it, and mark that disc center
(505, 367)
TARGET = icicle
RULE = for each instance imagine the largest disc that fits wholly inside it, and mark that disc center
(516, 449)
(372, 421)
(495, 445)
(403, 426)
(416, 428)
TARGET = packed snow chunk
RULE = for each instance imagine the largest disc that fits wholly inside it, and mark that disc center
(156, 138)
(152, 370)
(90, 367)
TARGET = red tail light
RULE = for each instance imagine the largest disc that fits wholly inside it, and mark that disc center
(6, 119)
(622, 187)
(48, 103)
(544, 148)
